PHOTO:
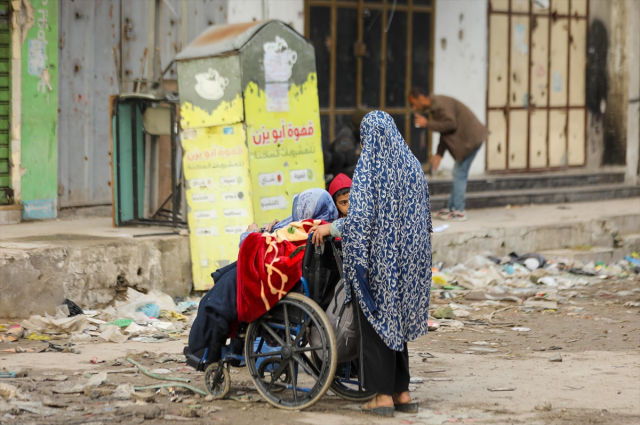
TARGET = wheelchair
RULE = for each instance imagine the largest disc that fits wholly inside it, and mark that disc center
(287, 371)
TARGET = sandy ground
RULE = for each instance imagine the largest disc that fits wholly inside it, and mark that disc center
(597, 382)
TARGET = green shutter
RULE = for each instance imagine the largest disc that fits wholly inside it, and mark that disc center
(5, 100)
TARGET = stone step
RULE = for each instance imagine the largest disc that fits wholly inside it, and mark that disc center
(629, 242)
(535, 181)
(587, 254)
(492, 199)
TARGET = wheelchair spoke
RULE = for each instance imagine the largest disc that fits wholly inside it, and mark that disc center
(276, 375)
(305, 349)
(267, 354)
(294, 381)
(286, 324)
(273, 334)
(303, 330)
(307, 368)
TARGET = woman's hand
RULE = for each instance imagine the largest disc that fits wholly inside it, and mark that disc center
(253, 228)
(269, 227)
(319, 234)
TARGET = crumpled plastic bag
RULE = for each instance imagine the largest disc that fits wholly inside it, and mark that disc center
(69, 388)
(52, 325)
(123, 392)
(113, 334)
(136, 299)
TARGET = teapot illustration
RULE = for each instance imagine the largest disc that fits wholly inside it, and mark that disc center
(278, 60)
(210, 85)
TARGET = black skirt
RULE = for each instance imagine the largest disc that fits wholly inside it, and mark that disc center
(384, 371)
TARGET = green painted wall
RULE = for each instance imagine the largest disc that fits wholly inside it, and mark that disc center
(39, 144)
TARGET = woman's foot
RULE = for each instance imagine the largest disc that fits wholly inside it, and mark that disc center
(381, 405)
(402, 402)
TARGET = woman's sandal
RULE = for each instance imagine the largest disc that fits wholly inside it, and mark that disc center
(411, 407)
(385, 411)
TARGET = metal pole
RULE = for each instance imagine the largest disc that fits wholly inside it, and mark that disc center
(175, 191)
(134, 155)
(116, 137)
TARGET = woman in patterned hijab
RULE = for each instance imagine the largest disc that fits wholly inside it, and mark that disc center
(387, 259)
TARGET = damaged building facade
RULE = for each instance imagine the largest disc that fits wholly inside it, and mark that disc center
(556, 81)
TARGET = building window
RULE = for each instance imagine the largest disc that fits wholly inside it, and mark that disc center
(536, 84)
(369, 53)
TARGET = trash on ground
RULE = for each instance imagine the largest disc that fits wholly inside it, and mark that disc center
(501, 389)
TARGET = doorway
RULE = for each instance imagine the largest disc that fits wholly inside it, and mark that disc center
(369, 53)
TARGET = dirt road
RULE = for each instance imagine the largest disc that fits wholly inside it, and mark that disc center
(597, 381)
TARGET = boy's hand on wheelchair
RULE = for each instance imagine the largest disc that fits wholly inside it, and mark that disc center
(253, 228)
(319, 234)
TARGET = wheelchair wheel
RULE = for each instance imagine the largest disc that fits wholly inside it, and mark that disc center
(291, 380)
(217, 384)
(345, 382)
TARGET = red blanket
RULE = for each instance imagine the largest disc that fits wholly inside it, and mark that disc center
(266, 271)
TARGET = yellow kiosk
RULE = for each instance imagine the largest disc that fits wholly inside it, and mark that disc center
(250, 123)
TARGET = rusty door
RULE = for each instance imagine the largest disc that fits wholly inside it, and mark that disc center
(89, 33)
(369, 53)
(536, 85)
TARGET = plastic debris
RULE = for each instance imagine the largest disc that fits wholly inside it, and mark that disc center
(121, 323)
(151, 310)
(38, 337)
(52, 325)
(113, 334)
(74, 310)
(172, 316)
(520, 329)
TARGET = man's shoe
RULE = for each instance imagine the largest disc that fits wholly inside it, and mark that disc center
(442, 214)
(456, 216)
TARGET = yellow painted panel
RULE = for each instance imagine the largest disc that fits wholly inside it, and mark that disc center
(518, 139)
(500, 5)
(192, 116)
(497, 141)
(216, 168)
(576, 137)
(519, 61)
(538, 139)
(498, 60)
(561, 7)
(578, 62)
(578, 7)
(557, 138)
(539, 62)
(559, 43)
(520, 6)
(284, 147)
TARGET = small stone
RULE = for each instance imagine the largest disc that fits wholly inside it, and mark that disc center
(444, 312)
(208, 398)
(187, 412)
(546, 407)
(556, 358)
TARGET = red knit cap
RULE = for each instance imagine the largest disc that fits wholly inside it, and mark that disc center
(341, 181)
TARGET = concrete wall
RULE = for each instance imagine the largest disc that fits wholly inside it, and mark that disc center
(290, 12)
(460, 62)
(39, 143)
(633, 109)
(89, 270)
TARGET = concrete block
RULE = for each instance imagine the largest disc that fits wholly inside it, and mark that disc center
(10, 214)
(36, 276)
